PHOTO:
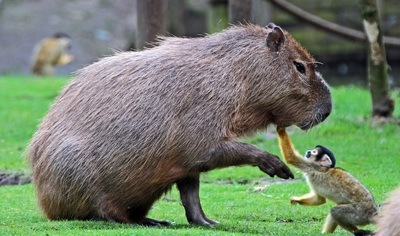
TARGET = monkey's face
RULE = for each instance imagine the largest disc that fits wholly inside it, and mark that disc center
(65, 43)
(322, 156)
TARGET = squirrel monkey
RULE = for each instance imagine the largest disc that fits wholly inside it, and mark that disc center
(355, 204)
(51, 52)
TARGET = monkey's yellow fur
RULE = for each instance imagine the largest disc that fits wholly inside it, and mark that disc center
(355, 204)
(48, 53)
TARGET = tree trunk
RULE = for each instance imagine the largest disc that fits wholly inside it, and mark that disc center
(151, 21)
(328, 26)
(239, 11)
(262, 12)
(176, 20)
(217, 17)
(2, 3)
(382, 103)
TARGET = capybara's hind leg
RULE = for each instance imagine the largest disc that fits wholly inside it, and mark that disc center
(137, 215)
(112, 213)
(189, 191)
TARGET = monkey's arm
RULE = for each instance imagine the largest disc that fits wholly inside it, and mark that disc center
(64, 59)
(290, 154)
(309, 199)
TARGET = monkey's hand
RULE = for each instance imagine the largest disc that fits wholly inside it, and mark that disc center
(309, 199)
(294, 200)
(280, 129)
(283, 136)
(65, 59)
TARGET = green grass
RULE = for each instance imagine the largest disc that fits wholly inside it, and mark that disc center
(24, 101)
(369, 151)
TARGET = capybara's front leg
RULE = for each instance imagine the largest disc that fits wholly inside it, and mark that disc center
(189, 191)
(233, 153)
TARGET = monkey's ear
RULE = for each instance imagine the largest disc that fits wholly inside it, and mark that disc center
(275, 38)
(326, 161)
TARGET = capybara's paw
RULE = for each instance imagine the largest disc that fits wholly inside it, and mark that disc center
(211, 222)
(272, 165)
(154, 223)
(204, 222)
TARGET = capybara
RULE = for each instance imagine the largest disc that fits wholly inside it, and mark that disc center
(128, 127)
(389, 218)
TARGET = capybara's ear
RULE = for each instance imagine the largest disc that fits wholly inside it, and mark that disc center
(275, 38)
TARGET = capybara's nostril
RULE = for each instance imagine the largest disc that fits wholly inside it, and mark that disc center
(325, 115)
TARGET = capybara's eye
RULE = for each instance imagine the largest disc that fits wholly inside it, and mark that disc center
(300, 67)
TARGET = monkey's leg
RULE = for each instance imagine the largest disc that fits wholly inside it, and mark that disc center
(309, 199)
(329, 225)
(232, 153)
(189, 191)
(47, 70)
(347, 216)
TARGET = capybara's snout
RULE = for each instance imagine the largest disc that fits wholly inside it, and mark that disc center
(326, 113)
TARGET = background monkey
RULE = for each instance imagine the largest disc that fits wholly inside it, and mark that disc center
(51, 52)
(355, 204)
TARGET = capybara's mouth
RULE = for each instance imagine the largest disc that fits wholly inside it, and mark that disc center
(316, 119)
(306, 126)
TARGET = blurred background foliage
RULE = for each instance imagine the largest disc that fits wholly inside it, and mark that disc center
(100, 27)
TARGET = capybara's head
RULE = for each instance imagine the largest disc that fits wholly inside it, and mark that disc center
(304, 98)
(289, 89)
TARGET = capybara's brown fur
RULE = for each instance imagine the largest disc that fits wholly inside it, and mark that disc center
(389, 218)
(130, 126)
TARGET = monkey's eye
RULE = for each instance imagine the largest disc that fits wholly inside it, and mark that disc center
(300, 67)
(314, 152)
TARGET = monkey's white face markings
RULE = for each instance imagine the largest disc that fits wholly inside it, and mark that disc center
(312, 155)
(325, 161)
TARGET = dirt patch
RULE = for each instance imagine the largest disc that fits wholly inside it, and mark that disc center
(14, 179)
